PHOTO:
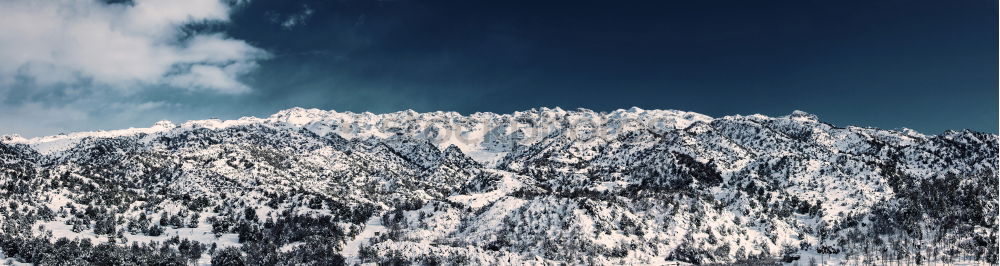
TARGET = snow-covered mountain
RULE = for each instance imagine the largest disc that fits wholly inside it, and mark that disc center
(543, 186)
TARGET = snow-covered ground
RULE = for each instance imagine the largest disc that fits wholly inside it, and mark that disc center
(731, 187)
(809, 257)
(373, 227)
(506, 185)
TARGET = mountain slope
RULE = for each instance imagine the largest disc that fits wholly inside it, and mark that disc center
(306, 186)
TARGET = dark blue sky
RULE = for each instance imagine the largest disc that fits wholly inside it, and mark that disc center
(926, 65)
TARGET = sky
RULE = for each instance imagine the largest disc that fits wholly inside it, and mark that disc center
(74, 65)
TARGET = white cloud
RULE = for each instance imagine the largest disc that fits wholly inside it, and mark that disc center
(121, 45)
(211, 76)
(293, 20)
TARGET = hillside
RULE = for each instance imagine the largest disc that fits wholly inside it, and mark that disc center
(544, 186)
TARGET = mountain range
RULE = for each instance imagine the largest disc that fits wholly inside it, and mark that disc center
(543, 186)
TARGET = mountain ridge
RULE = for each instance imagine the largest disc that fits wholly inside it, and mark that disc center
(299, 116)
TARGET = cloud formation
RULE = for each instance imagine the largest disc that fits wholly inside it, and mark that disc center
(123, 46)
(291, 21)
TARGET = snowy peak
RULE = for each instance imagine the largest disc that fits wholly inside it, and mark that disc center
(164, 124)
(801, 115)
(300, 116)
